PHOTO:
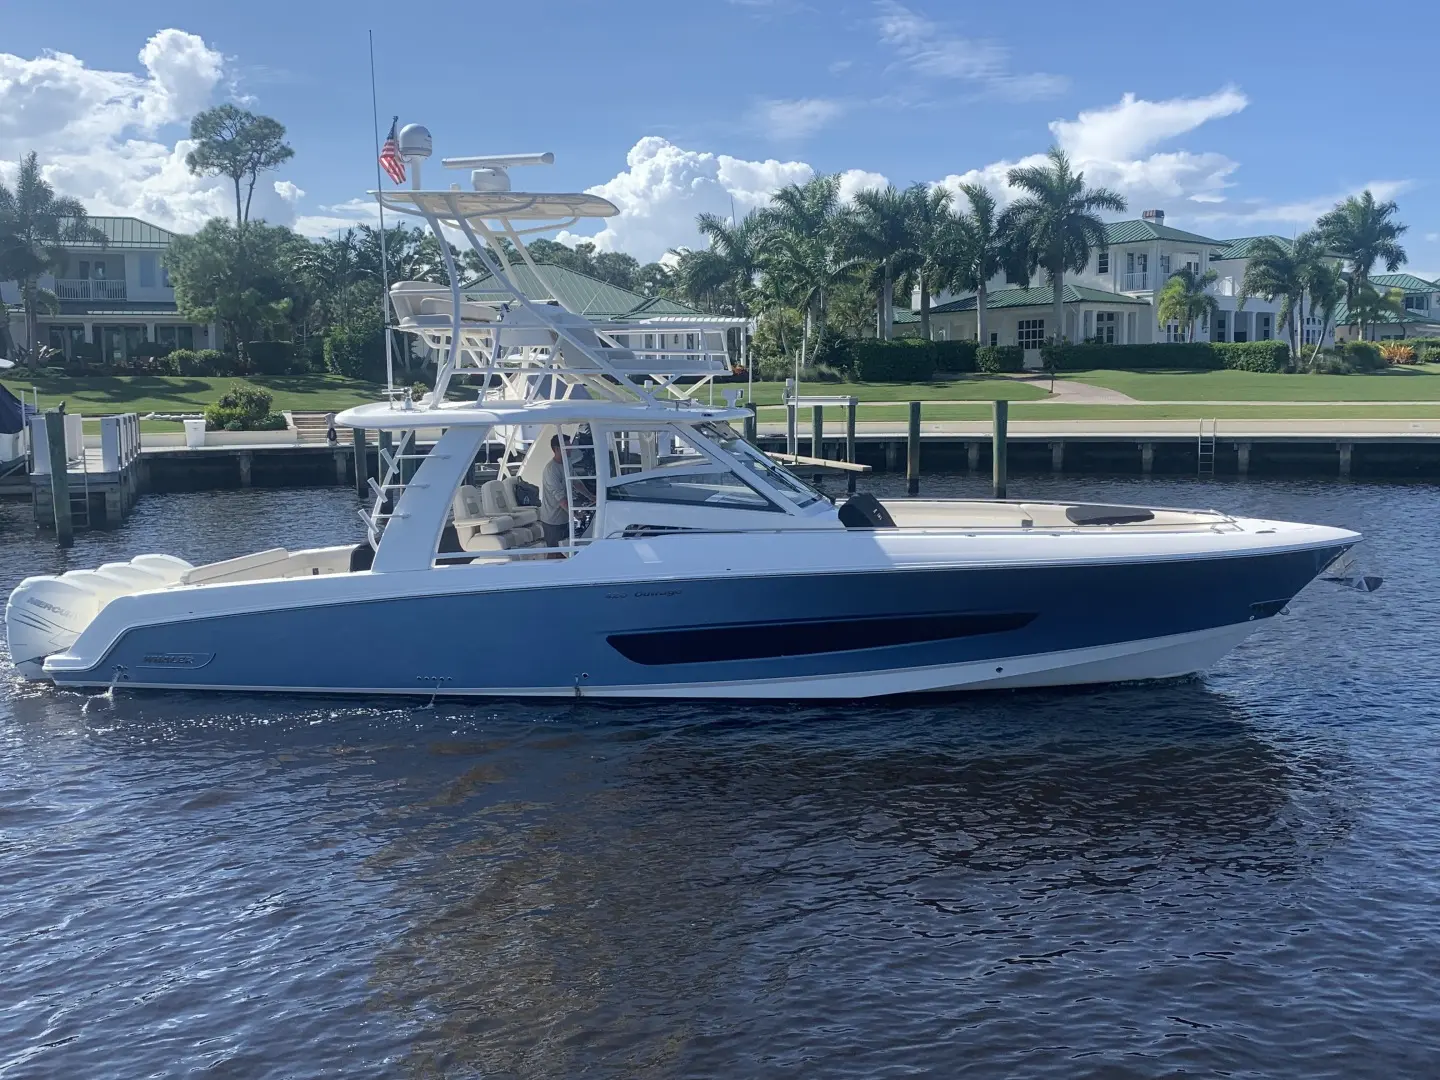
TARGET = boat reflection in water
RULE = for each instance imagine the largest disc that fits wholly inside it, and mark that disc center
(699, 894)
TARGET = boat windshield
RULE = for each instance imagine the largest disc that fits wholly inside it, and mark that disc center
(754, 460)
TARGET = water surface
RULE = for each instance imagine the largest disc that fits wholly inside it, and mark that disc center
(1235, 874)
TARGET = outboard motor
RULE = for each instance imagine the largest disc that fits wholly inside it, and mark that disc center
(45, 615)
(865, 512)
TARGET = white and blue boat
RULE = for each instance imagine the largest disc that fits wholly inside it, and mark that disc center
(693, 565)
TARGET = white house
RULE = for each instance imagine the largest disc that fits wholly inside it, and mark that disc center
(1422, 309)
(114, 295)
(1114, 298)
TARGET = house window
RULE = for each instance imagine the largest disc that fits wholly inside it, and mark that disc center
(82, 269)
(1418, 303)
(1165, 266)
(994, 337)
(1102, 262)
(1264, 334)
(1105, 327)
(1030, 333)
(1173, 332)
(148, 266)
(1220, 327)
(99, 271)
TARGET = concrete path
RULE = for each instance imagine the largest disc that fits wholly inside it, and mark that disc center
(1066, 392)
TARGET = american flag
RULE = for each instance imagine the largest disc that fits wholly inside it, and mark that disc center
(390, 159)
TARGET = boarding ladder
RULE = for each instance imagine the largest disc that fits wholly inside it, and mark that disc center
(1205, 448)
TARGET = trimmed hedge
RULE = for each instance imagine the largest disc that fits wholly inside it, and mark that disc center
(1265, 356)
(196, 362)
(955, 357)
(901, 360)
(994, 359)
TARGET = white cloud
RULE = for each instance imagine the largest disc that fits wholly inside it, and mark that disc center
(664, 187)
(1299, 213)
(101, 134)
(1133, 125)
(927, 49)
(1115, 147)
(1433, 237)
(854, 181)
(344, 215)
(787, 121)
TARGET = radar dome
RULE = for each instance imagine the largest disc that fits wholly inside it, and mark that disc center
(414, 141)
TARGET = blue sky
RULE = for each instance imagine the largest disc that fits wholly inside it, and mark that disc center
(1234, 118)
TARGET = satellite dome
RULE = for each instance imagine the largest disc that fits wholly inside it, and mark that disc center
(415, 141)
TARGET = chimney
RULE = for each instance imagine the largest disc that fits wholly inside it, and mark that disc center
(1156, 217)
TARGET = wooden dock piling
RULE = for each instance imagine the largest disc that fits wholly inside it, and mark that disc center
(362, 465)
(59, 476)
(912, 452)
(998, 434)
(792, 437)
(817, 431)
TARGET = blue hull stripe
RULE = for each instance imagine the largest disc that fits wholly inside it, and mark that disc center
(559, 638)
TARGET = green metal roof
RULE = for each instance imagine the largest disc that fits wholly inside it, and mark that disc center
(123, 232)
(1409, 282)
(1139, 232)
(906, 316)
(1037, 296)
(580, 293)
(1244, 246)
(1342, 316)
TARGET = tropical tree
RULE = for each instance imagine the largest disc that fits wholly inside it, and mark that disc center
(233, 142)
(1056, 222)
(1363, 232)
(979, 253)
(935, 231)
(1186, 299)
(35, 224)
(1326, 288)
(1372, 307)
(1288, 272)
(240, 279)
(803, 258)
(882, 230)
(726, 271)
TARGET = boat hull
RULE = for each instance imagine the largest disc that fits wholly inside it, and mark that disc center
(806, 635)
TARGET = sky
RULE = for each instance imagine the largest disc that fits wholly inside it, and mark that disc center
(1234, 118)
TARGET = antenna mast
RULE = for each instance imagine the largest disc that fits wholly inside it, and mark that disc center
(384, 259)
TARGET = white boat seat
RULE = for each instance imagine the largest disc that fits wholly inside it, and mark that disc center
(489, 525)
(523, 515)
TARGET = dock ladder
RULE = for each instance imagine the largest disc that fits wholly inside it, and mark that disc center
(1205, 448)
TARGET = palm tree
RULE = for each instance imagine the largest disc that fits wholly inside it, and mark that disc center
(980, 252)
(735, 250)
(1186, 298)
(35, 223)
(1057, 223)
(801, 253)
(1363, 232)
(883, 231)
(935, 231)
(1326, 288)
(1276, 270)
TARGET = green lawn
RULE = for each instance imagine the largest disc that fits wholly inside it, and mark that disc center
(899, 414)
(1418, 383)
(99, 395)
(966, 388)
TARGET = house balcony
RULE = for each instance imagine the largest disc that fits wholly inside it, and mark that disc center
(1138, 281)
(89, 289)
(1225, 286)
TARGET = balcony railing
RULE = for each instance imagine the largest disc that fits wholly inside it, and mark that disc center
(89, 289)
(1135, 282)
(1224, 286)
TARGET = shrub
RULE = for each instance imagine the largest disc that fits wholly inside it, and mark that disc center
(901, 360)
(356, 353)
(199, 362)
(1180, 355)
(955, 357)
(1262, 356)
(1398, 352)
(1348, 358)
(1362, 356)
(830, 349)
(243, 408)
(272, 358)
(994, 359)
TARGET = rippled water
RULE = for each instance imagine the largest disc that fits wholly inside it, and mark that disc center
(1238, 874)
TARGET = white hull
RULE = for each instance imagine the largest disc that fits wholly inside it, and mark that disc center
(1134, 661)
